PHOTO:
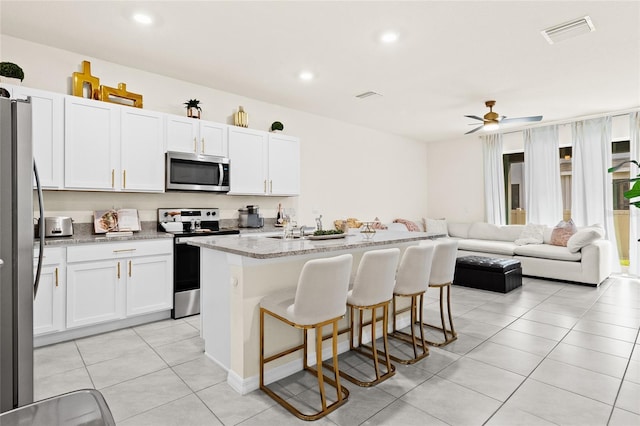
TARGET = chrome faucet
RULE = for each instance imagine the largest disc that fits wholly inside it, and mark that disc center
(319, 223)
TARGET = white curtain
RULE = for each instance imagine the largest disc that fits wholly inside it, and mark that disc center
(592, 185)
(542, 176)
(494, 200)
(634, 212)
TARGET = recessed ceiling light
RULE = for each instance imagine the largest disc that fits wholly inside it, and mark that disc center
(306, 76)
(142, 18)
(389, 37)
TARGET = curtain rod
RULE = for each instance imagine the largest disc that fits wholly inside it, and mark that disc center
(571, 120)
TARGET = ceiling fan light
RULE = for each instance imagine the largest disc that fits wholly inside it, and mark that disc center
(491, 126)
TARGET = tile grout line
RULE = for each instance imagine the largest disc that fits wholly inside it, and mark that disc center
(633, 348)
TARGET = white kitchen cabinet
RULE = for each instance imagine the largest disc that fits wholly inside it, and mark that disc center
(112, 281)
(141, 150)
(149, 284)
(48, 305)
(196, 136)
(263, 163)
(111, 147)
(47, 116)
(284, 165)
(92, 144)
(248, 156)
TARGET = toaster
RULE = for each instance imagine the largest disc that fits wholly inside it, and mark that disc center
(58, 226)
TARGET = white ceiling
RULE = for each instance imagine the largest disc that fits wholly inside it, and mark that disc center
(450, 58)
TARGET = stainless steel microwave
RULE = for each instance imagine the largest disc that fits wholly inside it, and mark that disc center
(193, 172)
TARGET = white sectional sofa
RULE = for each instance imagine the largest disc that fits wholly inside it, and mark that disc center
(589, 264)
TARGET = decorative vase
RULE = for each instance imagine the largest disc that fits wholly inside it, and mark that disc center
(193, 112)
(241, 118)
(10, 80)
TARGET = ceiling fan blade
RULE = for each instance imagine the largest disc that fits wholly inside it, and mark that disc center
(475, 117)
(521, 119)
(475, 130)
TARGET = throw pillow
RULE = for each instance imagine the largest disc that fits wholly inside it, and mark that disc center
(531, 234)
(562, 232)
(436, 226)
(411, 226)
(584, 237)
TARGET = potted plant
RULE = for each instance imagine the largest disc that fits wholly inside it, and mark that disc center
(11, 73)
(277, 126)
(193, 108)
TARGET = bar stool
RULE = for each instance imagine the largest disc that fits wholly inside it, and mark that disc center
(442, 272)
(372, 289)
(412, 280)
(319, 300)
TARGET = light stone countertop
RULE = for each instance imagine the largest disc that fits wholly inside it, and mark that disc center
(83, 234)
(263, 247)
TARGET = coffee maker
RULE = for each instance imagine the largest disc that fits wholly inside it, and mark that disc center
(250, 217)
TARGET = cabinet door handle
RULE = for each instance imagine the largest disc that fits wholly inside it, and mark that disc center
(129, 269)
(124, 250)
(265, 186)
(203, 145)
(270, 186)
(118, 270)
(124, 179)
(195, 145)
(113, 178)
(56, 277)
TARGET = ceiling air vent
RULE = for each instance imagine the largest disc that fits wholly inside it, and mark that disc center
(568, 30)
(367, 94)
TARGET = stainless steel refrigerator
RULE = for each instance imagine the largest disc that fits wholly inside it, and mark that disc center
(17, 282)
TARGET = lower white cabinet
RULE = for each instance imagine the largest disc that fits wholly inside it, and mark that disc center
(48, 305)
(112, 281)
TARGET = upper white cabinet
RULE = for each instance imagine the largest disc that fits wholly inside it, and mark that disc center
(141, 150)
(47, 112)
(263, 163)
(248, 156)
(112, 147)
(284, 164)
(92, 144)
(195, 136)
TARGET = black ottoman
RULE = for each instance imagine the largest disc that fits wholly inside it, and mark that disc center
(486, 273)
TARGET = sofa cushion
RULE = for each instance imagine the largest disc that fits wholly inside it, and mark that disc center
(488, 231)
(531, 234)
(439, 226)
(488, 246)
(460, 230)
(562, 232)
(547, 251)
(584, 237)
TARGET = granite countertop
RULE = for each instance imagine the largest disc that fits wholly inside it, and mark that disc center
(262, 247)
(83, 234)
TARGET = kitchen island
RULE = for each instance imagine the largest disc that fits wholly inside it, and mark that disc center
(238, 271)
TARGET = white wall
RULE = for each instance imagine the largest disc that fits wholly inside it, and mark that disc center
(456, 180)
(346, 170)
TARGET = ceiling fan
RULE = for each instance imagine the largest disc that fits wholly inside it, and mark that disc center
(492, 120)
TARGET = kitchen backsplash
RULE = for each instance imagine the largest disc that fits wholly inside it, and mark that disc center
(80, 205)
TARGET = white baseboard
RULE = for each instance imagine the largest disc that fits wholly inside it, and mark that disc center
(249, 384)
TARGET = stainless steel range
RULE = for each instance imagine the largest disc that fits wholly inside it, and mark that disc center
(187, 224)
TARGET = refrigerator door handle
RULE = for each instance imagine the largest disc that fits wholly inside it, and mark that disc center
(40, 231)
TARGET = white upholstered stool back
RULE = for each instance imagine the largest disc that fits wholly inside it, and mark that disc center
(322, 290)
(415, 269)
(444, 262)
(374, 279)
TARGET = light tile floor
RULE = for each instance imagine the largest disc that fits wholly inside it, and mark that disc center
(548, 353)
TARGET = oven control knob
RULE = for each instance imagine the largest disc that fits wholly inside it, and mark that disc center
(208, 213)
